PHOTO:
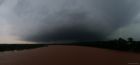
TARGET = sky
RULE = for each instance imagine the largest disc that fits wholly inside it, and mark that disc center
(68, 20)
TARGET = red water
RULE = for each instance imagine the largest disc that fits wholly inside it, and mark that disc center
(69, 55)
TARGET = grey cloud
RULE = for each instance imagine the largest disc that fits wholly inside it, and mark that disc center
(75, 20)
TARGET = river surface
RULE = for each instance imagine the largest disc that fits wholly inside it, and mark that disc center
(69, 55)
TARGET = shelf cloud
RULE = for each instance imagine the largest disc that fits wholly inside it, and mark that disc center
(69, 20)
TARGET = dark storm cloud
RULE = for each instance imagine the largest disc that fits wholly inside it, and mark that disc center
(74, 20)
(1, 1)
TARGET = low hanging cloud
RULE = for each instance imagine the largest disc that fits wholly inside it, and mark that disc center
(68, 20)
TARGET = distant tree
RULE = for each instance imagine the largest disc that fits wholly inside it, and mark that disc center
(123, 43)
(130, 39)
(122, 40)
(131, 44)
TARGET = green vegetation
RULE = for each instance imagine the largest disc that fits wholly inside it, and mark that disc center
(11, 47)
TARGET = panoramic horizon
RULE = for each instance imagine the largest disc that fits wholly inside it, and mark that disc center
(69, 32)
(34, 21)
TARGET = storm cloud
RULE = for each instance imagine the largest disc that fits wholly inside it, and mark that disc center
(68, 20)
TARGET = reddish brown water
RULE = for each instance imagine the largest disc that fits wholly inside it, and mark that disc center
(69, 55)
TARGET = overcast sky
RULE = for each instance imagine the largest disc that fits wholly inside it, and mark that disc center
(68, 20)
